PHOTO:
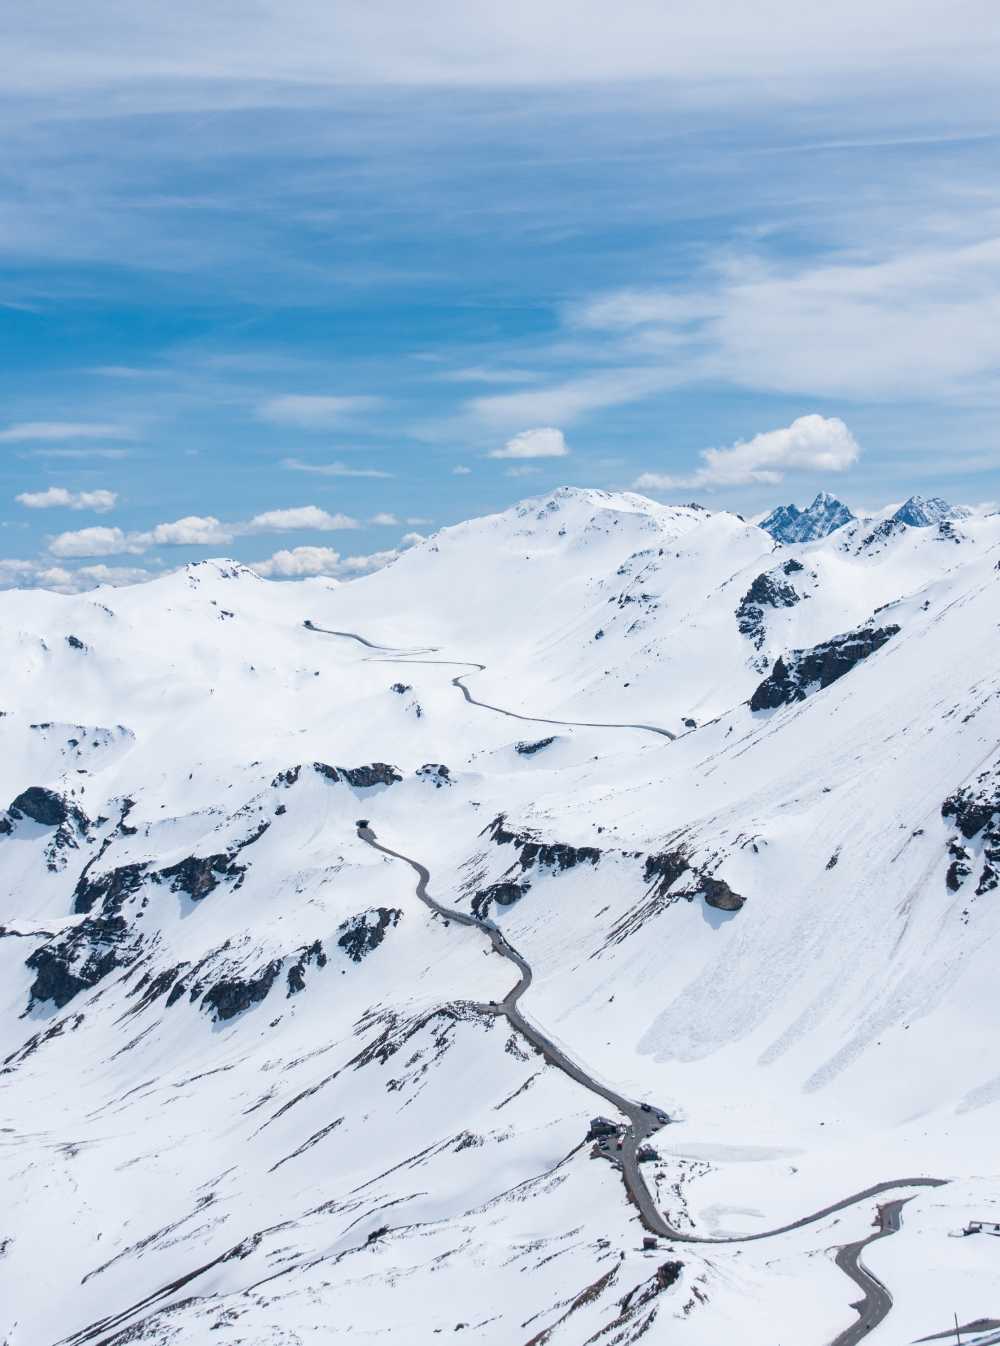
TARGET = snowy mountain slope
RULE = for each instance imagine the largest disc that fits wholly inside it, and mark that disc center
(267, 1086)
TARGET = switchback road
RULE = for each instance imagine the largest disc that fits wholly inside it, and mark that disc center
(642, 1122)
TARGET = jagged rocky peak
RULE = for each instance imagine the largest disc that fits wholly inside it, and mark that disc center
(825, 515)
(922, 512)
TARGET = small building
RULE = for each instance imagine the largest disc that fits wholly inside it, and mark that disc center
(600, 1126)
(649, 1244)
(646, 1154)
(982, 1227)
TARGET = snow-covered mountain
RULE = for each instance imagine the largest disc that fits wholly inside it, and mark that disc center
(788, 523)
(922, 512)
(728, 814)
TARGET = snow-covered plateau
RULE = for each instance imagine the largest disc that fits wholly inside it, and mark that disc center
(717, 819)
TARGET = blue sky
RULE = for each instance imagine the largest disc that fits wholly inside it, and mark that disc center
(296, 282)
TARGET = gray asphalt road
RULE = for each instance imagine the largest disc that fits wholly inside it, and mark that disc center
(641, 1124)
(404, 658)
(877, 1301)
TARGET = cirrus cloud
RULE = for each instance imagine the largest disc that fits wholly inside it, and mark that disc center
(313, 412)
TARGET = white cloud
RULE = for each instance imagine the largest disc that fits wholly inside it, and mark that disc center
(193, 531)
(332, 469)
(313, 412)
(59, 497)
(44, 575)
(98, 541)
(384, 520)
(811, 443)
(411, 539)
(303, 516)
(918, 322)
(299, 561)
(26, 431)
(701, 51)
(568, 401)
(545, 442)
(461, 471)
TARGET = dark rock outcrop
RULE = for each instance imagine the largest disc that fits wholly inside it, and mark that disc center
(529, 749)
(297, 971)
(557, 855)
(108, 891)
(43, 806)
(718, 894)
(437, 773)
(504, 894)
(366, 931)
(799, 672)
(233, 995)
(767, 591)
(360, 777)
(199, 875)
(976, 813)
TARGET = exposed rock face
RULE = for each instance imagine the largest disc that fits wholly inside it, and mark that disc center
(718, 894)
(297, 971)
(199, 875)
(799, 672)
(768, 590)
(529, 749)
(75, 643)
(108, 891)
(504, 894)
(549, 855)
(366, 931)
(788, 523)
(361, 777)
(437, 773)
(976, 811)
(233, 995)
(43, 806)
(664, 869)
(401, 688)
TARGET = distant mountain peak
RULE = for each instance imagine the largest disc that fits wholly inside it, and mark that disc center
(922, 512)
(788, 523)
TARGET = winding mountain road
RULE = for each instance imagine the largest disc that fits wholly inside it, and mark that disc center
(406, 657)
(877, 1301)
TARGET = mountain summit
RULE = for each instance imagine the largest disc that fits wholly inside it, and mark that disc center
(788, 523)
(920, 512)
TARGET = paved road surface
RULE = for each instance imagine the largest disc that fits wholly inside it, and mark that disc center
(877, 1301)
(641, 1124)
(404, 656)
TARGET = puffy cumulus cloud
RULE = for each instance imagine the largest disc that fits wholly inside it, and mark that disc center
(45, 575)
(25, 431)
(195, 530)
(302, 516)
(98, 541)
(313, 412)
(544, 442)
(296, 562)
(384, 520)
(811, 443)
(58, 497)
(332, 469)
